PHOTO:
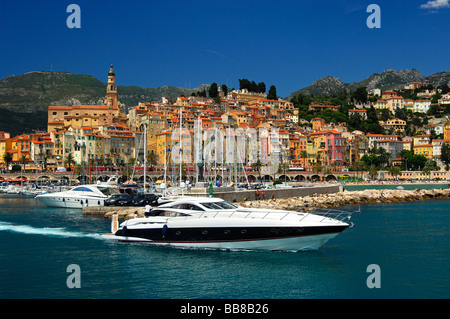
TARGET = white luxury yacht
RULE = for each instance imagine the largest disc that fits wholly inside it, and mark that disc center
(78, 196)
(203, 222)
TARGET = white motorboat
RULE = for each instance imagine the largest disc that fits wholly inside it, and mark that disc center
(212, 223)
(78, 196)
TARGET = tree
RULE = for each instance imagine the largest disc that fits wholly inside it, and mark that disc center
(45, 160)
(7, 158)
(445, 155)
(272, 93)
(428, 167)
(301, 99)
(373, 173)
(257, 167)
(213, 90)
(394, 171)
(261, 87)
(244, 84)
(360, 95)
(23, 160)
(152, 158)
(69, 161)
(224, 89)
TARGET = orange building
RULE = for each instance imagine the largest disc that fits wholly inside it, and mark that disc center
(297, 150)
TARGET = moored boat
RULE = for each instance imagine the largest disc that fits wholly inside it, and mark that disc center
(77, 197)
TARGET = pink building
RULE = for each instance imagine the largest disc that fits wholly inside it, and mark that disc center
(335, 146)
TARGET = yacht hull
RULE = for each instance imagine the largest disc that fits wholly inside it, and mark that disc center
(264, 238)
(68, 202)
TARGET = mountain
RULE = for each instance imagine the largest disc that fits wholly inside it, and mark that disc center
(324, 86)
(24, 99)
(35, 91)
(388, 80)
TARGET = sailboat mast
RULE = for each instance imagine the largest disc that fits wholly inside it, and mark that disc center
(181, 145)
(145, 155)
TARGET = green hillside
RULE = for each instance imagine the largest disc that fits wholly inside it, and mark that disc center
(35, 91)
(24, 99)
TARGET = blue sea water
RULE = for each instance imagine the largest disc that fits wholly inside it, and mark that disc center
(408, 241)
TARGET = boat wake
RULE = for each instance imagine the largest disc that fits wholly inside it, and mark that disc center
(45, 231)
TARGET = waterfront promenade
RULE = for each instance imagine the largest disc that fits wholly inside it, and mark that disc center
(289, 176)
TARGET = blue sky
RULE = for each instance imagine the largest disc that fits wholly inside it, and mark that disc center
(188, 43)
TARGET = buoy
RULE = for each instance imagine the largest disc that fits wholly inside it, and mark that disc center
(164, 229)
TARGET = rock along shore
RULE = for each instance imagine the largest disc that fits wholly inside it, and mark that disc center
(349, 197)
(308, 203)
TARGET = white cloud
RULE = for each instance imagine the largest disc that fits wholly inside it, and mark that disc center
(436, 4)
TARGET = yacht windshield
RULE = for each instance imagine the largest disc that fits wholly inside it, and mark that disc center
(82, 189)
(219, 205)
(105, 190)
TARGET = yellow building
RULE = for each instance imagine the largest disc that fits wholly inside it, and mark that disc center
(447, 132)
(168, 147)
(317, 123)
(10, 145)
(81, 120)
(425, 150)
(60, 117)
(2, 149)
(316, 149)
(380, 104)
(156, 123)
(163, 147)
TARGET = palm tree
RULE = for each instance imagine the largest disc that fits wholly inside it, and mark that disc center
(23, 160)
(257, 167)
(152, 158)
(373, 172)
(69, 160)
(7, 158)
(395, 171)
(45, 159)
(429, 166)
(304, 156)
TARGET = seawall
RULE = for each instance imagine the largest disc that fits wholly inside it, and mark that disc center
(350, 197)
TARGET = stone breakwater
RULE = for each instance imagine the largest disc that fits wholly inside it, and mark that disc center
(308, 203)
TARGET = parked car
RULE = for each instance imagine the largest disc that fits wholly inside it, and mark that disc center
(144, 199)
(122, 199)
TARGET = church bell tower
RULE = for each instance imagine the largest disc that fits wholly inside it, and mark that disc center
(111, 91)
